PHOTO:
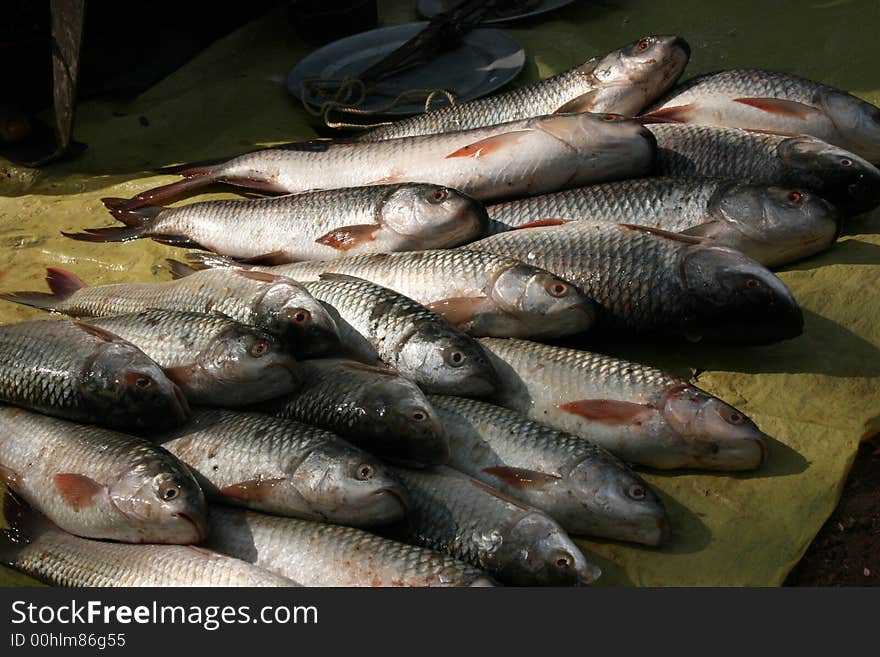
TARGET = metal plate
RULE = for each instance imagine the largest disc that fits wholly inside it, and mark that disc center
(430, 8)
(486, 60)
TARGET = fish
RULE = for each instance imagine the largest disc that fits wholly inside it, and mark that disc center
(286, 468)
(848, 181)
(773, 225)
(320, 554)
(480, 293)
(469, 520)
(79, 372)
(312, 226)
(275, 304)
(214, 360)
(501, 161)
(378, 325)
(36, 547)
(641, 414)
(375, 408)
(646, 281)
(582, 486)
(623, 81)
(99, 483)
(775, 102)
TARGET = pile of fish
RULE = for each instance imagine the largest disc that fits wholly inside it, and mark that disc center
(351, 384)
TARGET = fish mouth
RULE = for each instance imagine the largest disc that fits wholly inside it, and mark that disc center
(399, 494)
(678, 42)
(665, 531)
(200, 528)
(765, 448)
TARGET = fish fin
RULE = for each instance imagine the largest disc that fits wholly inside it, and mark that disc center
(261, 276)
(62, 283)
(494, 492)
(541, 223)
(77, 490)
(101, 334)
(521, 477)
(252, 490)
(341, 278)
(457, 310)
(348, 237)
(386, 180)
(583, 103)
(109, 234)
(182, 241)
(610, 411)
(489, 145)
(180, 269)
(200, 261)
(361, 367)
(675, 114)
(659, 232)
(194, 177)
(9, 477)
(701, 230)
(134, 217)
(779, 106)
(272, 258)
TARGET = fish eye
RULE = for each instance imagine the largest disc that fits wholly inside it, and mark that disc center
(637, 492)
(454, 358)
(846, 162)
(301, 316)
(753, 283)
(439, 195)
(731, 416)
(563, 561)
(794, 197)
(557, 289)
(169, 493)
(143, 382)
(419, 416)
(611, 117)
(643, 44)
(259, 349)
(364, 472)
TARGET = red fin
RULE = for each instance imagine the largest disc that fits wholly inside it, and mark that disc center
(489, 145)
(457, 310)
(360, 367)
(583, 103)
(63, 283)
(348, 237)
(76, 489)
(676, 114)
(659, 232)
(494, 492)
(179, 269)
(110, 234)
(262, 276)
(101, 334)
(134, 217)
(541, 223)
(382, 181)
(610, 411)
(273, 258)
(521, 477)
(779, 106)
(253, 490)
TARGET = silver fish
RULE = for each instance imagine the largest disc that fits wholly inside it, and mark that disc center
(454, 513)
(649, 281)
(214, 360)
(480, 293)
(773, 225)
(285, 467)
(577, 483)
(641, 414)
(36, 547)
(313, 226)
(502, 161)
(83, 373)
(624, 81)
(278, 305)
(98, 483)
(319, 554)
(375, 408)
(848, 181)
(774, 102)
(380, 325)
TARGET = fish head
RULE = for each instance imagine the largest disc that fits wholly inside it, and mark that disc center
(447, 361)
(433, 216)
(163, 501)
(857, 121)
(125, 388)
(773, 225)
(353, 487)
(623, 505)
(632, 77)
(407, 428)
(537, 551)
(286, 309)
(847, 180)
(544, 305)
(723, 437)
(734, 298)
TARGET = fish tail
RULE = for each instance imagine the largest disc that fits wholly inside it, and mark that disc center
(111, 234)
(132, 217)
(194, 177)
(212, 261)
(62, 283)
(180, 269)
(138, 223)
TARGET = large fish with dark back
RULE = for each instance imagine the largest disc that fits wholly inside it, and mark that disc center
(623, 81)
